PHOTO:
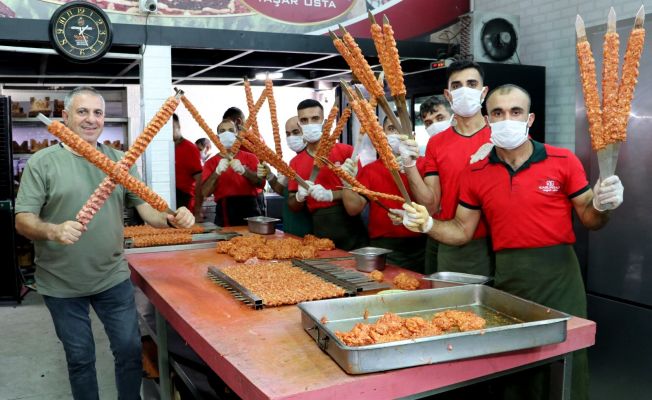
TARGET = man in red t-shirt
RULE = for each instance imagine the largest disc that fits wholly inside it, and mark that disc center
(526, 190)
(447, 155)
(324, 196)
(233, 183)
(385, 229)
(235, 115)
(187, 171)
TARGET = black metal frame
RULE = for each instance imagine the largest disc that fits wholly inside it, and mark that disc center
(10, 279)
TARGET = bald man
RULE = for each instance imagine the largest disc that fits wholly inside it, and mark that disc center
(527, 191)
(295, 223)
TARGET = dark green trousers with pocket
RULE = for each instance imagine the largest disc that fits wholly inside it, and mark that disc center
(407, 252)
(345, 231)
(549, 276)
(475, 257)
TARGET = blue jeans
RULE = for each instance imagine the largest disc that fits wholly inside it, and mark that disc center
(117, 310)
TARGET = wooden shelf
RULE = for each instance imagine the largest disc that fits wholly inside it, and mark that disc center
(33, 120)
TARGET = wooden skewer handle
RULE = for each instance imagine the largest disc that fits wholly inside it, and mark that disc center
(401, 186)
(302, 182)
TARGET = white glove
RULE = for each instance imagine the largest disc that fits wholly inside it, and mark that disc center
(319, 193)
(409, 150)
(396, 215)
(482, 153)
(237, 166)
(303, 192)
(417, 218)
(608, 194)
(222, 166)
(282, 179)
(263, 171)
(351, 168)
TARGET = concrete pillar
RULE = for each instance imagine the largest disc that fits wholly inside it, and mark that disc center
(155, 87)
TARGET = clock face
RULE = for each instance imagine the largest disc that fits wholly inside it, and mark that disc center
(80, 32)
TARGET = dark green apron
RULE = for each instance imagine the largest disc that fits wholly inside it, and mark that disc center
(407, 252)
(295, 223)
(475, 257)
(432, 246)
(232, 211)
(345, 231)
(549, 276)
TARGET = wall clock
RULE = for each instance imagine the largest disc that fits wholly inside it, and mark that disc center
(80, 32)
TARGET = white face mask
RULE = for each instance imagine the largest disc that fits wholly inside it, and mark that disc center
(438, 127)
(466, 101)
(311, 132)
(509, 134)
(394, 142)
(227, 138)
(296, 143)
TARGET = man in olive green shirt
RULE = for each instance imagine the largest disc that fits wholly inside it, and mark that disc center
(76, 269)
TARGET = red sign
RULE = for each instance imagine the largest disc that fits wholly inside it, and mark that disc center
(301, 11)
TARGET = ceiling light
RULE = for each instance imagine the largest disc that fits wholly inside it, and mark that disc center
(261, 76)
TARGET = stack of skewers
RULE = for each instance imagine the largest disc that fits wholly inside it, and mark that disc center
(608, 120)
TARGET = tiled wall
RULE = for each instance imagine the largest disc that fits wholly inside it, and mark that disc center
(548, 38)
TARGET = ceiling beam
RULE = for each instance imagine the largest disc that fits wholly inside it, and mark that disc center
(228, 60)
(325, 77)
(125, 70)
(326, 57)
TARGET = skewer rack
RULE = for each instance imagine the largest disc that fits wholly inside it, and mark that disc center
(352, 282)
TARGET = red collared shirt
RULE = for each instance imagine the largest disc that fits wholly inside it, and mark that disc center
(530, 207)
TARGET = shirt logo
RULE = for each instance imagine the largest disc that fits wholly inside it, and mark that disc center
(549, 186)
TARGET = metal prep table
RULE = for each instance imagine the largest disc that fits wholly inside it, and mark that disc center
(266, 354)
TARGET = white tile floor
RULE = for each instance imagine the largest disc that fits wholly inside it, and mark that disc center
(33, 361)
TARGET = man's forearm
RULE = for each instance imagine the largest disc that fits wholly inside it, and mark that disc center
(151, 216)
(209, 185)
(33, 227)
(293, 204)
(276, 186)
(253, 178)
(450, 232)
(593, 219)
(420, 191)
(198, 196)
(353, 202)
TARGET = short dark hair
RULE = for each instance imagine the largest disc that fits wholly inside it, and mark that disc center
(233, 113)
(506, 88)
(175, 117)
(432, 103)
(461, 65)
(309, 103)
(387, 117)
(201, 142)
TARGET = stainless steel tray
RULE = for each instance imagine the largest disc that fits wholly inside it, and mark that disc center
(449, 278)
(512, 323)
(199, 241)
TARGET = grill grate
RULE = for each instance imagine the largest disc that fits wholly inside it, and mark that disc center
(351, 281)
(238, 291)
(344, 277)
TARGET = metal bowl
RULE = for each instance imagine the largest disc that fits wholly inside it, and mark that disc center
(262, 225)
(448, 278)
(370, 258)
